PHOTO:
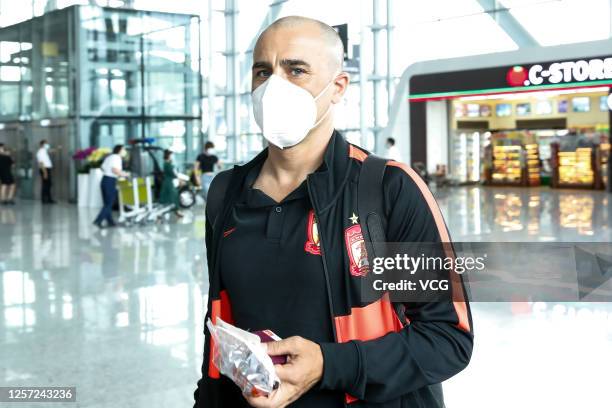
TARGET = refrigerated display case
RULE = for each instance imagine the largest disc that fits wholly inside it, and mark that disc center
(466, 154)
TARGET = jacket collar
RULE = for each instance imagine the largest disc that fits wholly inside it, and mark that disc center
(326, 183)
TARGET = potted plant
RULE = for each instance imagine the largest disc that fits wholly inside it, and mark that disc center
(82, 167)
(94, 161)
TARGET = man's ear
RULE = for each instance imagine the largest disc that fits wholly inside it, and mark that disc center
(341, 83)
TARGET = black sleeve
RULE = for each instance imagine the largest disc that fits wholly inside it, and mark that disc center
(435, 345)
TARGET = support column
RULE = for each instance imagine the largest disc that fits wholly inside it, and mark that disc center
(232, 101)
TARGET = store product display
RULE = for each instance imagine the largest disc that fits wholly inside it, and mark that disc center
(466, 156)
(604, 158)
(240, 355)
(507, 165)
(533, 164)
(576, 167)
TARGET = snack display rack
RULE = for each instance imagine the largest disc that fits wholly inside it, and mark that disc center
(507, 165)
(533, 164)
(604, 159)
(576, 168)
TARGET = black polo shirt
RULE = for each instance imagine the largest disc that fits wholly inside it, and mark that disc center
(207, 162)
(272, 270)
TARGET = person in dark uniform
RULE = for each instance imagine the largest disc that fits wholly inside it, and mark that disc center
(206, 164)
(285, 250)
(7, 181)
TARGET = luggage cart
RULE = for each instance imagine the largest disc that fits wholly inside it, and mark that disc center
(136, 195)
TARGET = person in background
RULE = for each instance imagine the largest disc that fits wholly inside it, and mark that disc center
(392, 152)
(7, 181)
(206, 163)
(112, 168)
(168, 193)
(45, 167)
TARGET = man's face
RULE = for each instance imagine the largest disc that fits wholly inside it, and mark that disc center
(299, 55)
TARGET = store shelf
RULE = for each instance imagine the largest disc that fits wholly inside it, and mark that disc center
(533, 164)
(576, 168)
(506, 165)
(605, 158)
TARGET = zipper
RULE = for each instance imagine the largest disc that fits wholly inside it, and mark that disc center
(325, 270)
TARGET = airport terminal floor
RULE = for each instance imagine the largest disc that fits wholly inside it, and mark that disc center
(118, 312)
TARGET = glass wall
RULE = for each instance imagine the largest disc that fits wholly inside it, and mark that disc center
(104, 76)
(34, 74)
(144, 66)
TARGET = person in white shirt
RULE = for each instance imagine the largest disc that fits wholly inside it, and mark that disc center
(45, 167)
(392, 152)
(112, 168)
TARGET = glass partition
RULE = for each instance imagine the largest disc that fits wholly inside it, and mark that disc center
(34, 74)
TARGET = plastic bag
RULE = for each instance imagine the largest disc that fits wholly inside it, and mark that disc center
(240, 356)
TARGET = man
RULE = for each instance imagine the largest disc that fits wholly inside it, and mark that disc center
(392, 152)
(283, 251)
(7, 181)
(45, 167)
(206, 164)
(112, 169)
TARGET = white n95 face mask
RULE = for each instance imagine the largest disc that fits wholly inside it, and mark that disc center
(285, 112)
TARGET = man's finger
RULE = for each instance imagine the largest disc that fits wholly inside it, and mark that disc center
(286, 373)
(272, 400)
(282, 347)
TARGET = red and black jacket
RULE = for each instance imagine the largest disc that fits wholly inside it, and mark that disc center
(377, 360)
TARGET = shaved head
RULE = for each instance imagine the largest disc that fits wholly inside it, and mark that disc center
(328, 36)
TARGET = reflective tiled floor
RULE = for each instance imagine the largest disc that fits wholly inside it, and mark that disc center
(118, 313)
(526, 214)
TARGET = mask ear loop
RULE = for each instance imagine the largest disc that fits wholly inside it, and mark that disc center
(330, 105)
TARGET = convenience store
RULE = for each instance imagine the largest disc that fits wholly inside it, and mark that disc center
(527, 123)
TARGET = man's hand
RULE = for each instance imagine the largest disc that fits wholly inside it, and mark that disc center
(303, 370)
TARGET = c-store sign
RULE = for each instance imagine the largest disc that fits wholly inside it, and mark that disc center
(561, 72)
(589, 72)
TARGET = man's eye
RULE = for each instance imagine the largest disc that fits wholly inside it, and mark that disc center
(297, 71)
(262, 74)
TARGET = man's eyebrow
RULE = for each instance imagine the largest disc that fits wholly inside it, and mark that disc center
(261, 64)
(294, 63)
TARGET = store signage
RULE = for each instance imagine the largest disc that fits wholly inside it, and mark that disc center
(561, 72)
(546, 75)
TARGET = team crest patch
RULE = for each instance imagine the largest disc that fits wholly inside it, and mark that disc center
(356, 248)
(312, 245)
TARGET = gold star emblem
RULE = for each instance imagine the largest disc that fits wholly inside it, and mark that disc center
(354, 219)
